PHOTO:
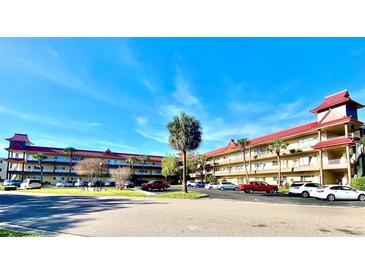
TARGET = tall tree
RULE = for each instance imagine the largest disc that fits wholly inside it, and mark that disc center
(91, 167)
(170, 166)
(131, 161)
(276, 147)
(143, 159)
(201, 162)
(40, 157)
(121, 176)
(68, 151)
(243, 143)
(184, 135)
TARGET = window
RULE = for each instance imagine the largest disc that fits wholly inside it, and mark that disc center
(335, 188)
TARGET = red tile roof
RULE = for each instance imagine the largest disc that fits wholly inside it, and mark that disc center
(336, 100)
(334, 142)
(18, 137)
(75, 152)
(282, 134)
(231, 145)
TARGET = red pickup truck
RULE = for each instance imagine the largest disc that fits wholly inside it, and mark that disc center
(251, 187)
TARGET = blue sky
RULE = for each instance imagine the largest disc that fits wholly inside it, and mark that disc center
(119, 93)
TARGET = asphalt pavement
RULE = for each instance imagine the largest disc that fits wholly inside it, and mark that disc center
(279, 198)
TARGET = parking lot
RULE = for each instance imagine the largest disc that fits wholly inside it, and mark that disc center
(279, 198)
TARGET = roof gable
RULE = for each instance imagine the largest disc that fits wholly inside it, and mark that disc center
(336, 99)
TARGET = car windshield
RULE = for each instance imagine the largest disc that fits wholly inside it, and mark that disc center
(296, 184)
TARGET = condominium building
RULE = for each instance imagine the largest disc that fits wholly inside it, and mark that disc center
(326, 150)
(56, 167)
(2, 169)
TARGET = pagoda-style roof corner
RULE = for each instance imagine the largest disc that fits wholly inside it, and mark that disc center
(340, 98)
(19, 137)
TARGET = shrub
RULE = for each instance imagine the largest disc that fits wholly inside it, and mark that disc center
(7, 188)
(211, 178)
(358, 183)
(122, 175)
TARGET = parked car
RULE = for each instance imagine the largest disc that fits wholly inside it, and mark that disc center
(65, 184)
(303, 188)
(227, 186)
(155, 184)
(110, 183)
(96, 184)
(31, 184)
(338, 192)
(212, 185)
(82, 184)
(199, 185)
(129, 184)
(195, 184)
(12, 183)
(251, 187)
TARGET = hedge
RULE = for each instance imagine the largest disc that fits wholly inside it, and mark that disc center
(358, 183)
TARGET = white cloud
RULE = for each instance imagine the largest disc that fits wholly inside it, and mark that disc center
(48, 120)
(183, 93)
(154, 134)
(249, 107)
(141, 120)
(147, 83)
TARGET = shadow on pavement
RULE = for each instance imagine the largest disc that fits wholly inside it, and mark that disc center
(54, 213)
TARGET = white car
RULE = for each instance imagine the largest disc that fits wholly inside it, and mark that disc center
(222, 186)
(303, 188)
(338, 192)
(212, 185)
(227, 185)
(191, 183)
(64, 184)
(30, 184)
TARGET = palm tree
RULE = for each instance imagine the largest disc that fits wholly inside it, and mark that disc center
(201, 162)
(69, 151)
(243, 143)
(184, 135)
(131, 161)
(277, 146)
(40, 157)
(143, 159)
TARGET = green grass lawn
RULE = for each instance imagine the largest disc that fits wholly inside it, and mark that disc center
(78, 191)
(12, 233)
(181, 195)
(116, 192)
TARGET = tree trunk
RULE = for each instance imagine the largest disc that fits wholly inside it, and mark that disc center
(69, 172)
(185, 188)
(40, 166)
(244, 162)
(279, 171)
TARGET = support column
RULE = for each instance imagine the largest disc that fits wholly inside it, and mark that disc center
(348, 164)
(321, 174)
(213, 166)
(7, 167)
(346, 130)
(249, 159)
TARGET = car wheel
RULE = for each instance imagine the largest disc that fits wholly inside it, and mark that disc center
(210, 188)
(250, 191)
(274, 191)
(305, 194)
(361, 197)
(331, 197)
(221, 188)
